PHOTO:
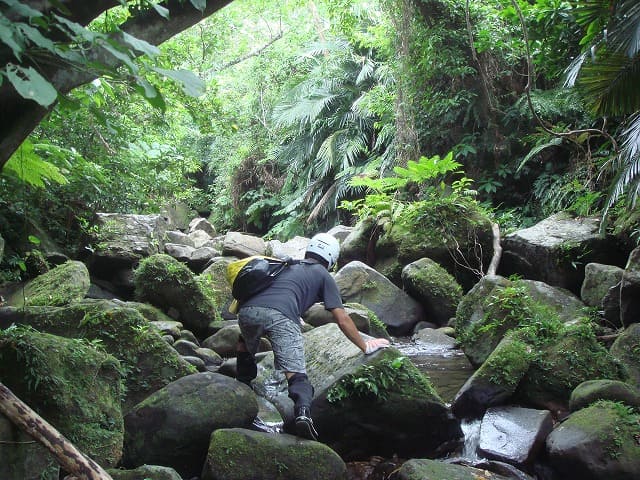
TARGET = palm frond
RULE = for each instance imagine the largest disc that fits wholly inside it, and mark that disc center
(612, 84)
(627, 177)
(625, 38)
(573, 70)
(366, 71)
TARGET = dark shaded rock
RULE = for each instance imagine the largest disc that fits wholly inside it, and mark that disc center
(233, 453)
(172, 427)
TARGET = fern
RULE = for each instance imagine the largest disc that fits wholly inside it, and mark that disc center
(28, 166)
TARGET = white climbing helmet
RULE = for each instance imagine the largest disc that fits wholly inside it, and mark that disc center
(325, 246)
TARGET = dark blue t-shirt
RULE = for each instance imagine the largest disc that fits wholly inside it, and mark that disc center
(297, 288)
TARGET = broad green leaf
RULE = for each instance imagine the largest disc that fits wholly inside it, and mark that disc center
(192, 85)
(29, 167)
(150, 93)
(140, 45)
(30, 84)
(199, 4)
(21, 9)
(162, 11)
(77, 31)
(122, 56)
(7, 36)
(36, 37)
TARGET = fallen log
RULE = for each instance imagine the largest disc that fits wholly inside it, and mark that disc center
(68, 456)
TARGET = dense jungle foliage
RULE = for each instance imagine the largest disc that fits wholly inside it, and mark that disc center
(279, 117)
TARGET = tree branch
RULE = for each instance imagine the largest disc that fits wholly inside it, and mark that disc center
(21, 116)
(68, 456)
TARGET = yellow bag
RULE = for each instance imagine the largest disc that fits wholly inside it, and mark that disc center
(249, 276)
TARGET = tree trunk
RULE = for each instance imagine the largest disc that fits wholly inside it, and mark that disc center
(68, 456)
(21, 116)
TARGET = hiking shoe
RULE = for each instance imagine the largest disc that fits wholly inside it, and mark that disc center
(304, 424)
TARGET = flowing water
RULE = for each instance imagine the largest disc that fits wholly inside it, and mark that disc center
(447, 367)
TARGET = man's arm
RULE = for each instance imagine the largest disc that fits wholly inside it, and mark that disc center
(351, 332)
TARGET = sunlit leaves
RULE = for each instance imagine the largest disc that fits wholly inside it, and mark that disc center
(31, 168)
(30, 84)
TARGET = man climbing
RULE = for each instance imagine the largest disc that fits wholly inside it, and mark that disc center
(275, 313)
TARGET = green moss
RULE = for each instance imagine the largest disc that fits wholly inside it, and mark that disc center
(62, 285)
(147, 361)
(163, 281)
(72, 383)
(389, 374)
(507, 364)
(617, 425)
(377, 328)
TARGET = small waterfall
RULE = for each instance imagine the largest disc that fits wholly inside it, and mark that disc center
(471, 431)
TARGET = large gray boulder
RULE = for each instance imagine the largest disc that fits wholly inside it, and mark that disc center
(172, 427)
(119, 241)
(239, 454)
(360, 283)
(242, 245)
(556, 250)
(598, 279)
(514, 435)
(294, 248)
(597, 442)
(393, 408)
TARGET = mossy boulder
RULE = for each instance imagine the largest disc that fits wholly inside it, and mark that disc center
(163, 281)
(62, 285)
(359, 283)
(626, 349)
(562, 362)
(71, 383)
(496, 305)
(456, 235)
(600, 441)
(355, 247)
(145, 472)
(22, 458)
(384, 407)
(434, 288)
(215, 276)
(613, 390)
(238, 454)
(172, 427)
(425, 469)
(148, 362)
(496, 380)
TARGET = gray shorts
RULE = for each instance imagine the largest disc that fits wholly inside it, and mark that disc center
(283, 333)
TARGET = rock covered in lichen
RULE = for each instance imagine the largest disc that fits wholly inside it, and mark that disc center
(172, 427)
(235, 452)
(148, 362)
(626, 349)
(71, 383)
(62, 285)
(600, 441)
(436, 289)
(163, 281)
